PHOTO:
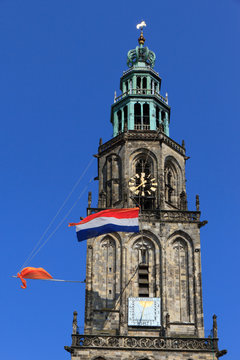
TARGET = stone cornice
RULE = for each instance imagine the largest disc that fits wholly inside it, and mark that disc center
(138, 135)
(173, 216)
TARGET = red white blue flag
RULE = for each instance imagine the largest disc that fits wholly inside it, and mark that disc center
(107, 221)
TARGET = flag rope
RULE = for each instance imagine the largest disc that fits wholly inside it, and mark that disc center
(59, 224)
(31, 255)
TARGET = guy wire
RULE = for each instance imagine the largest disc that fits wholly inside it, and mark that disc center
(60, 223)
(57, 213)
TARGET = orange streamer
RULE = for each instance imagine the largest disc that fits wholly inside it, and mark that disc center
(32, 273)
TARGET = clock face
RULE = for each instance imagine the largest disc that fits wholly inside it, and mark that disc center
(144, 312)
(142, 185)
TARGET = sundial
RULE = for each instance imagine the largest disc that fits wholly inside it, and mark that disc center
(144, 311)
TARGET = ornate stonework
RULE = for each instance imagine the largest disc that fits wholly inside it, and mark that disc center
(163, 261)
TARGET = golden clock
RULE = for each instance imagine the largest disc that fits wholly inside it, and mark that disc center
(142, 184)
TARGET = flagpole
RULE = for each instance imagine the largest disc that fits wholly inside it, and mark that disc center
(60, 280)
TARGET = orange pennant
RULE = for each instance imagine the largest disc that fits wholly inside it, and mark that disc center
(32, 273)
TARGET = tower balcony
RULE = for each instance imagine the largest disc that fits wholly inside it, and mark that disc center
(145, 92)
(143, 343)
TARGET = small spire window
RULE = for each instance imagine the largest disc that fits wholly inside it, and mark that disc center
(144, 85)
(146, 119)
(139, 84)
(137, 116)
(125, 116)
(157, 117)
(119, 115)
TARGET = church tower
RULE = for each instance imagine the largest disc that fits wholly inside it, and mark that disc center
(144, 290)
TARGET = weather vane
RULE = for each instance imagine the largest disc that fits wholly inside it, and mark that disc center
(141, 25)
(141, 39)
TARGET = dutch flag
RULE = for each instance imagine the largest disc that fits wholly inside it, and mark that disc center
(107, 221)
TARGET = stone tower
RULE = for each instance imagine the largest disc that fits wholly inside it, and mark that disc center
(144, 290)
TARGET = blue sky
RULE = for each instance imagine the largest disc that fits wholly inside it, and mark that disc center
(60, 63)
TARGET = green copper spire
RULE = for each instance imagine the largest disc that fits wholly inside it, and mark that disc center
(141, 55)
(140, 108)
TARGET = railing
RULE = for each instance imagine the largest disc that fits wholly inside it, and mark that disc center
(141, 122)
(143, 343)
(141, 92)
(141, 127)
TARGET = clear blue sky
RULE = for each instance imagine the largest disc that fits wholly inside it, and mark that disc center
(60, 63)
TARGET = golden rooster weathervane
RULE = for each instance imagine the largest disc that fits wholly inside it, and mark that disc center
(141, 39)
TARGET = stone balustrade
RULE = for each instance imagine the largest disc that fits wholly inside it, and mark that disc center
(145, 343)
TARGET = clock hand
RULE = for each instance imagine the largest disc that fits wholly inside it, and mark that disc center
(142, 183)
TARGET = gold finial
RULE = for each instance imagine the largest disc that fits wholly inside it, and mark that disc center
(141, 39)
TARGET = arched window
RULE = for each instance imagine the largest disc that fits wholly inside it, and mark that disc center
(146, 120)
(108, 254)
(162, 115)
(157, 117)
(119, 115)
(144, 252)
(139, 84)
(112, 175)
(144, 85)
(169, 188)
(174, 183)
(125, 116)
(144, 168)
(178, 272)
(137, 116)
(170, 184)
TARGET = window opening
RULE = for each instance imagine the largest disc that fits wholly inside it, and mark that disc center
(125, 116)
(144, 85)
(143, 256)
(143, 280)
(145, 200)
(143, 166)
(169, 187)
(119, 115)
(157, 117)
(146, 119)
(139, 84)
(126, 86)
(137, 116)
